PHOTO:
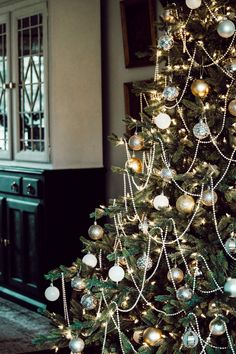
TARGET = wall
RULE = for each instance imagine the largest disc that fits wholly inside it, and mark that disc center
(75, 83)
(115, 75)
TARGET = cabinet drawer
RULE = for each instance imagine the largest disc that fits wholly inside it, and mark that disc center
(31, 187)
(10, 184)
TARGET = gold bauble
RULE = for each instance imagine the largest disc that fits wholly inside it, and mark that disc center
(95, 232)
(136, 142)
(135, 164)
(152, 336)
(138, 336)
(232, 107)
(207, 198)
(168, 16)
(175, 274)
(200, 88)
(185, 204)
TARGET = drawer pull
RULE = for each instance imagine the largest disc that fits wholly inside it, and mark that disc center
(14, 187)
(30, 189)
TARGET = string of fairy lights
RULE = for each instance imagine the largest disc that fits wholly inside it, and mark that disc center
(159, 239)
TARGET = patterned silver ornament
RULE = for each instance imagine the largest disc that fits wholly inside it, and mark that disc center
(230, 287)
(95, 232)
(190, 339)
(217, 327)
(78, 283)
(89, 302)
(184, 293)
(226, 28)
(166, 42)
(144, 262)
(201, 130)
(230, 245)
(76, 345)
(170, 93)
(167, 174)
(230, 66)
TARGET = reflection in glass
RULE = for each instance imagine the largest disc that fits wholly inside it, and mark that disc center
(4, 138)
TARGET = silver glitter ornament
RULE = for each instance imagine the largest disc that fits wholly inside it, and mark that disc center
(76, 345)
(201, 130)
(217, 327)
(230, 245)
(95, 232)
(78, 283)
(190, 339)
(166, 42)
(170, 93)
(89, 302)
(226, 28)
(230, 65)
(144, 262)
(184, 293)
(230, 287)
(208, 199)
(167, 174)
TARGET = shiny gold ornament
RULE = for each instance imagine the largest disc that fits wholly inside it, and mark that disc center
(136, 142)
(137, 336)
(185, 204)
(194, 269)
(208, 199)
(232, 107)
(200, 88)
(175, 274)
(95, 232)
(135, 164)
(152, 336)
(168, 16)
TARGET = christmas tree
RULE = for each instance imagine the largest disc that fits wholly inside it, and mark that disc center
(158, 273)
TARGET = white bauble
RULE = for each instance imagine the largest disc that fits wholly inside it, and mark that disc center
(193, 4)
(52, 293)
(226, 28)
(116, 273)
(162, 120)
(76, 345)
(160, 202)
(230, 287)
(90, 260)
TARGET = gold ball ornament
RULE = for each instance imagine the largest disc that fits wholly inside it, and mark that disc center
(185, 204)
(136, 142)
(152, 336)
(208, 199)
(95, 232)
(168, 16)
(175, 274)
(200, 88)
(135, 164)
(232, 107)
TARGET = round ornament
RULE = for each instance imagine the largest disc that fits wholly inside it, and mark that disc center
(95, 232)
(230, 287)
(225, 28)
(230, 245)
(201, 130)
(193, 4)
(217, 327)
(116, 273)
(184, 293)
(52, 293)
(170, 93)
(175, 274)
(185, 204)
(167, 174)
(232, 107)
(136, 142)
(135, 164)
(76, 345)
(152, 336)
(166, 42)
(190, 339)
(162, 120)
(160, 202)
(230, 65)
(89, 302)
(78, 283)
(200, 88)
(208, 199)
(138, 336)
(90, 260)
(168, 16)
(144, 262)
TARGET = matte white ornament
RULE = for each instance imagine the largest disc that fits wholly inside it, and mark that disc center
(160, 202)
(190, 339)
(193, 4)
(52, 293)
(162, 120)
(226, 28)
(76, 345)
(90, 260)
(230, 287)
(116, 273)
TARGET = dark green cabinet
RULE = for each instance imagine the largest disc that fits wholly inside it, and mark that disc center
(42, 215)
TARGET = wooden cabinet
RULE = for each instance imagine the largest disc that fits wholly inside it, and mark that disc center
(42, 215)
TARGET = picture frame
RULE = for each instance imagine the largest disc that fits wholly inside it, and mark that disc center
(138, 31)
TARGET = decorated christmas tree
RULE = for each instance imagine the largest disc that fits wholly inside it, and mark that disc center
(158, 273)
